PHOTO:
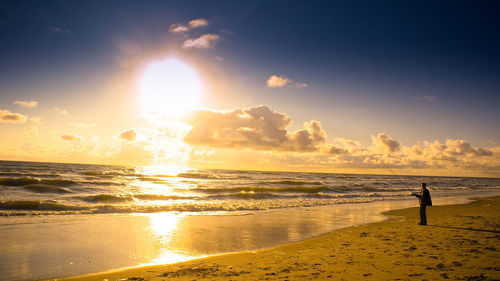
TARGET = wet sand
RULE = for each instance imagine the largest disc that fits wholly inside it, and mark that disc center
(460, 243)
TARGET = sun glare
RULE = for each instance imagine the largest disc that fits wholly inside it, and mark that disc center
(170, 87)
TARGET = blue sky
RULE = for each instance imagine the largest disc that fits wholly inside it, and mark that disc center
(423, 70)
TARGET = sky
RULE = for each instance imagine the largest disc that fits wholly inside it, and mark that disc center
(322, 86)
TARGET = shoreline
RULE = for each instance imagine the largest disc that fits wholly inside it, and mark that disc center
(349, 249)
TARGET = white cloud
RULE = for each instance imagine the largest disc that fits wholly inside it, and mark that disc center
(348, 142)
(178, 27)
(72, 137)
(61, 111)
(462, 147)
(12, 117)
(255, 127)
(205, 41)
(279, 81)
(276, 81)
(27, 104)
(385, 142)
(198, 23)
(128, 135)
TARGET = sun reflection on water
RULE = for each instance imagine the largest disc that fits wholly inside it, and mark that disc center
(163, 227)
(163, 181)
(163, 224)
(159, 171)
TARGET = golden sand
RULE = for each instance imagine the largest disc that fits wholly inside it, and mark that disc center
(461, 242)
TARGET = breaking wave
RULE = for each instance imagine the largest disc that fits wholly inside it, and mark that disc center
(44, 188)
(22, 181)
(52, 188)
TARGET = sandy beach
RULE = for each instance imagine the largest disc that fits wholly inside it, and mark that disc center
(460, 243)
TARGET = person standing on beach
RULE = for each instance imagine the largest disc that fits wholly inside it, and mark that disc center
(425, 200)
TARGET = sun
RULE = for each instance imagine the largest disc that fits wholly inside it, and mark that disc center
(170, 88)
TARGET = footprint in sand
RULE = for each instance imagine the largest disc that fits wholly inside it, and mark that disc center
(444, 275)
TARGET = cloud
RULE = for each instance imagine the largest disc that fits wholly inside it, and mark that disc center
(462, 147)
(308, 139)
(225, 31)
(348, 142)
(198, 23)
(205, 41)
(72, 137)
(128, 135)
(27, 104)
(276, 81)
(256, 127)
(336, 150)
(299, 85)
(59, 29)
(12, 117)
(385, 142)
(178, 27)
(31, 131)
(61, 111)
(279, 81)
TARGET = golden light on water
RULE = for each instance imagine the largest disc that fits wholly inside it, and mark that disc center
(163, 226)
(162, 179)
(169, 171)
(170, 87)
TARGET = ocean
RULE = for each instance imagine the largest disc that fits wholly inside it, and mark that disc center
(30, 188)
(59, 220)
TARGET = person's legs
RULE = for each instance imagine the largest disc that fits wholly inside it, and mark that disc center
(423, 215)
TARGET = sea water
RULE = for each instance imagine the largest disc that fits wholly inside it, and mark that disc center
(65, 219)
(29, 188)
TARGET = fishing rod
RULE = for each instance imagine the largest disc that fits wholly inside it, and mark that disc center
(405, 186)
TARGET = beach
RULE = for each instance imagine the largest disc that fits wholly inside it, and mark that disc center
(60, 220)
(460, 243)
(249, 140)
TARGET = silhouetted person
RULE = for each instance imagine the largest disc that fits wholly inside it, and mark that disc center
(425, 200)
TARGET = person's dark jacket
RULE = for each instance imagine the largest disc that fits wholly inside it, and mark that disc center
(425, 198)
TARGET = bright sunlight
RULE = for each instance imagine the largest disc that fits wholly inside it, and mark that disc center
(170, 87)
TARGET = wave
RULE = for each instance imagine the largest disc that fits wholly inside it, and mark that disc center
(198, 176)
(163, 197)
(47, 205)
(109, 173)
(104, 198)
(151, 179)
(44, 188)
(32, 180)
(245, 195)
(296, 182)
(295, 189)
